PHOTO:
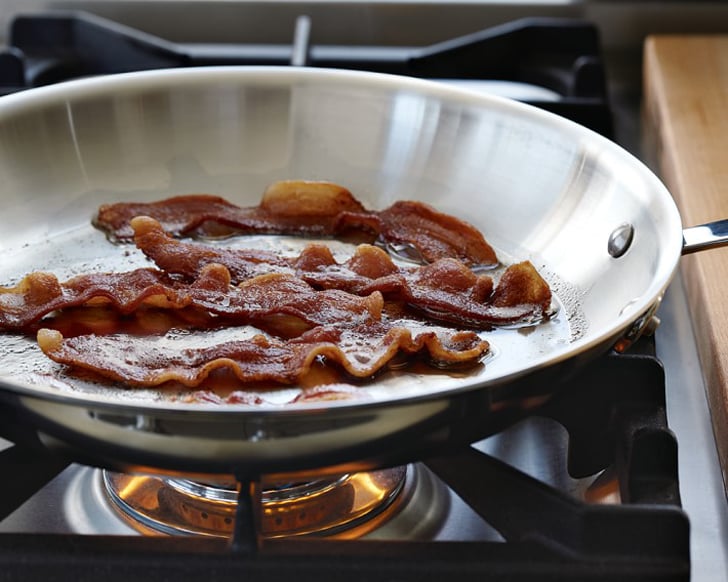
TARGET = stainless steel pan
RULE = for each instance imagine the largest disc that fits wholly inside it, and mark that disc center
(593, 219)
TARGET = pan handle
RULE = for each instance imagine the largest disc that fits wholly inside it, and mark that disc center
(705, 236)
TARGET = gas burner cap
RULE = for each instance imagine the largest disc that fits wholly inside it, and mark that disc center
(347, 505)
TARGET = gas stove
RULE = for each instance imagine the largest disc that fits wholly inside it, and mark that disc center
(617, 478)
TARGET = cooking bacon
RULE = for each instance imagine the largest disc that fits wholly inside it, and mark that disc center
(188, 259)
(236, 397)
(330, 393)
(290, 206)
(40, 293)
(446, 290)
(309, 208)
(319, 393)
(266, 297)
(261, 317)
(360, 351)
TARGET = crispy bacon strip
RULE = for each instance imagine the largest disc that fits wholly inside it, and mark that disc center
(299, 207)
(254, 300)
(433, 235)
(446, 289)
(40, 293)
(236, 397)
(188, 259)
(318, 393)
(330, 393)
(311, 209)
(258, 299)
(360, 350)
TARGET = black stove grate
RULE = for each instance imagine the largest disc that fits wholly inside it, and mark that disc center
(561, 55)
(614, 413)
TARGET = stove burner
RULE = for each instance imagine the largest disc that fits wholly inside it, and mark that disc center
(349, 505)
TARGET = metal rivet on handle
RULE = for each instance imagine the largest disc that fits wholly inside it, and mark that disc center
(620, 240)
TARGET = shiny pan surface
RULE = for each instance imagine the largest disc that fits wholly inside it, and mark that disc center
(539, 187)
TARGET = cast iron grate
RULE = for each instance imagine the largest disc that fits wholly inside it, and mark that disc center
(561, 55)
(614, 413)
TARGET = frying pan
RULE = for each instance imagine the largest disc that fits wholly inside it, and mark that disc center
(599, 226)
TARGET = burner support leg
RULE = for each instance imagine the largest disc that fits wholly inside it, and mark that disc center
(246, 538)
(522, 508)
(37, 468)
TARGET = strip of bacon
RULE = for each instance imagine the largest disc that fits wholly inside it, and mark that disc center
(299, 207)
(360, 351)
(262, 300)
(319, 393)
(446, 290)
(40, 293)
(433, 235)
(255, 300)
(236, 397)
(309, 208)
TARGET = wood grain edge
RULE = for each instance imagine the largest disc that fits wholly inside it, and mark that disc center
(662, 145)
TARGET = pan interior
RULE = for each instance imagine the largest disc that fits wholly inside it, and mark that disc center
(539, 188)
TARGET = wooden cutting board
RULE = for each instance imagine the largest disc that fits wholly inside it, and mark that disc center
(686, 131)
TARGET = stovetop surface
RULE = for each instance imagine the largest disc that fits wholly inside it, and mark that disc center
(701, 482)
